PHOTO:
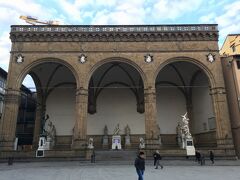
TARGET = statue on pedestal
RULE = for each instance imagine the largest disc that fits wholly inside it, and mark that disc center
(105, 136)
(90, 143)
(127, 136)
(183, 132)
(142, 143)
(49, 133)
(159, 134)
(116, 138)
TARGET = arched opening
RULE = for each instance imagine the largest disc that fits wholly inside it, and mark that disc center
(116, 96)
(182, 87)
(55, 99)
(26, 113)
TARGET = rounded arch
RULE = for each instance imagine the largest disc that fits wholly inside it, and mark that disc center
(189, 60)
(117, 59)
(37, 62)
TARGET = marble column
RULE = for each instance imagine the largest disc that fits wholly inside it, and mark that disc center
(223, 130)
(79, 140)
(151, 136)
(9, 119)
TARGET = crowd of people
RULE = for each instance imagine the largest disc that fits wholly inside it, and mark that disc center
(140, 161)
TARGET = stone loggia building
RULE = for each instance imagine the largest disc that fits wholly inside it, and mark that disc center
(142, 76)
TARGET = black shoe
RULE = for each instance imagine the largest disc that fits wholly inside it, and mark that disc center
(156, 168)
(161, 167)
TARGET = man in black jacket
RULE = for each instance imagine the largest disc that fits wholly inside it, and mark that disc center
(140, 165)
(157, 158)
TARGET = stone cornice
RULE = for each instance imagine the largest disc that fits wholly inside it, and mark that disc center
(128, 33)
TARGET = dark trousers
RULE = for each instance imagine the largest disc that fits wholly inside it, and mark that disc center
(155, 160)
(212, 159)
(158, 164)
(140, 174)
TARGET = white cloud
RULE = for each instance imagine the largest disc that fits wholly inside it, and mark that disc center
(5, 45)
(228, 21)
(172, 9)
(125, 12)
(210, 18)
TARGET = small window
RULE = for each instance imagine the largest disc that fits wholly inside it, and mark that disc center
(233, 48)
(238, 64)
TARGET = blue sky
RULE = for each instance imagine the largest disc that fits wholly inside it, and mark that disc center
(226, 13)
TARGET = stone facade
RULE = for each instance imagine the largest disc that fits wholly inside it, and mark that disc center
(103, 44)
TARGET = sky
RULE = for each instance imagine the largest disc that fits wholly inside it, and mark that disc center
(225, 13)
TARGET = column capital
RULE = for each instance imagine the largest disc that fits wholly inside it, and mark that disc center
(12, 96)
(217, 90)
(82, 91)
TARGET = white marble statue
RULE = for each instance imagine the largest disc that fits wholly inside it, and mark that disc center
(142, 143)
(183, 132)
(116, 130)
(185, 126)
(50, 132)
(159, 134)
(90, 143)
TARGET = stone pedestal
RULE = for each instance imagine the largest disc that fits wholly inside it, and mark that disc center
(190, 147)
(116, 142)
(127, 142)
(105, 142)
(42, 144)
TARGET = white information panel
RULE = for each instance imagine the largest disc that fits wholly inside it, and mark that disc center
(116, 142)
(190, 148)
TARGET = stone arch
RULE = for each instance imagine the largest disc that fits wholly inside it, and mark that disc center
(185, 98)
(116, 59)
(189, 60)
(130, 96)
(30, 66)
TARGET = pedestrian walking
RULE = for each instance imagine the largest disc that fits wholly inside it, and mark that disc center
(158, 157)
(93, 155)
(202, 159)
(211, 156)
(198, 157)
(140, 165)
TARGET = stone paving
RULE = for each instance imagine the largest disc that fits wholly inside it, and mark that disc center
(73, 170)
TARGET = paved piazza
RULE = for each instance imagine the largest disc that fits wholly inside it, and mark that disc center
(173, 170)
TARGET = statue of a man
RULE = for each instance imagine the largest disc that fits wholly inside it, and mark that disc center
(127, 130)
(90, 143)
(105, 130)
(43, 123)
(116, 130)
(142, 143)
